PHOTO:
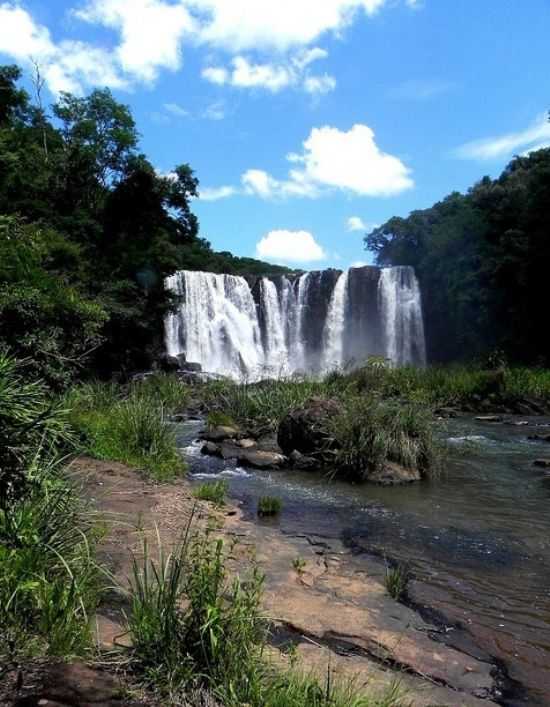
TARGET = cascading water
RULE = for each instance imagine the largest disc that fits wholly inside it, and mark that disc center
(249, 329)
(401, 309)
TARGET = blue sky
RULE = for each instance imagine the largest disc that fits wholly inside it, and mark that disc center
(306, 121)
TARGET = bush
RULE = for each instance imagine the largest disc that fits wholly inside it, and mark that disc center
(216, 418)
(166, 390)
(215, 492)
(133, 429)
(269, 506)
(369, 433)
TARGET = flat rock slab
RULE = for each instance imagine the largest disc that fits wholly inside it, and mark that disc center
(489, 418)
(542, 463)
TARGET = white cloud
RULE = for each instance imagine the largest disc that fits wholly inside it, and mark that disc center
(176, 110)
(67, 66)
(273, 76)
(320, 84)
(290, 246)
(216, 74)
(332, 159)
(216, 193)
(537, 134)
(356, 223)
(151, 32)
(420, 89)
(350, 161)
(240, 25)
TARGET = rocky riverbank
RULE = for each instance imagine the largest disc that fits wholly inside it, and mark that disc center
(333, 612)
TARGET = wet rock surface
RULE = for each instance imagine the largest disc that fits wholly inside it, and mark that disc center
(391, 474)
(306, 430)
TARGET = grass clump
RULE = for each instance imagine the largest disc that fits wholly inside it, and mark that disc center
(131, 428)
(217, 418)
(193, 627)
(269, 506)
(396, 581)
(369, 433)
(215, 492)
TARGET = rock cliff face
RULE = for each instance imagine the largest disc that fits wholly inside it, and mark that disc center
(310, 323)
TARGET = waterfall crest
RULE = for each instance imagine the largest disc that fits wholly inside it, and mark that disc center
(249, 328)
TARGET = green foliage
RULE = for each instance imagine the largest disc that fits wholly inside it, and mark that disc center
(299, 564)
(42, 317)
(166, 390)
(48, 577)
(92, 232)
(214, 492)
(369, 433)
(482, 260)
(217, 418)
(32, 428)
(396, 580)
(131, 428)
(269, 506)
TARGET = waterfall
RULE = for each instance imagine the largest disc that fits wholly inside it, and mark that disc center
(333, 335)
(310, 324)
(400, 306)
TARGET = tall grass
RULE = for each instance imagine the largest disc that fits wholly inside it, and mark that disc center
(192, 626)
(368, 433)
(129, 426)
(48, 576)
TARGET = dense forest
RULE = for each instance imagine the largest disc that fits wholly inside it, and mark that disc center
(88, 232)
(482, 259)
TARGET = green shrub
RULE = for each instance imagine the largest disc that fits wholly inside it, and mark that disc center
(269, 506)
(166, 390)
(215, 492)
(217, 418)
(369, 433)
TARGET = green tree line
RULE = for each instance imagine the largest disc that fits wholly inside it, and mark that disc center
(88, 233)
(483, 259)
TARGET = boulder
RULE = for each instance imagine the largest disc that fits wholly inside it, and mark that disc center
(246, 443)
(167, 363)
(542, 463)
(302, 461)
(220, 433)
(392, 474)
(262, 460)
(191, 367)
(306, 430)
(211, 449)
(540, 438)
(446, 412)
(489, 418)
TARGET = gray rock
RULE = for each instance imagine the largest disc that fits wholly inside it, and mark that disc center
(392, 474)
(262, 460)
(191, 367)
(489, 418)
(307, 429)
(540, 438)
(220, 433)
(302, 461)
(542, 463)
(211, 449)
(168, 364)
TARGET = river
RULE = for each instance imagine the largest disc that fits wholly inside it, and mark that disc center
(477, 539)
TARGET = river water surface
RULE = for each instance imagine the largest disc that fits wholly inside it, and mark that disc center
(477, 539)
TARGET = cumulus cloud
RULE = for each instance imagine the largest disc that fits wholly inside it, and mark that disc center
(537, 135)
(273, 76)
(66, 66)
(151, 32)
(333, 159)
(290, 246)
(241, 25)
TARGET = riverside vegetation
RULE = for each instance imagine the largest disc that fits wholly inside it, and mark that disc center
(192, 626)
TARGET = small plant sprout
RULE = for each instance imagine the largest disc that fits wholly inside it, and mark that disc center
(396, 581)
(269, 506)
(299, 564)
